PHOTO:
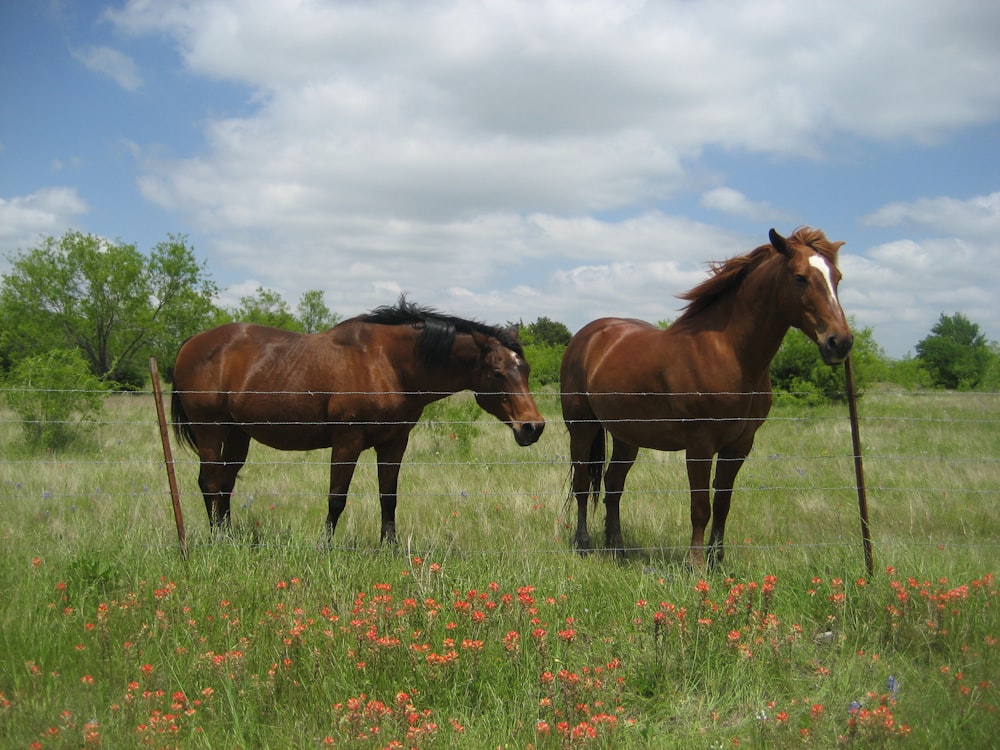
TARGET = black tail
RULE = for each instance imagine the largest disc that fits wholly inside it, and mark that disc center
(597, 460)
(182, 426)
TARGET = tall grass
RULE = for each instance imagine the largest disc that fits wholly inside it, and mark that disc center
(482, 628)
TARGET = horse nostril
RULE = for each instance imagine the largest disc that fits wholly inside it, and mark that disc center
(843, 345)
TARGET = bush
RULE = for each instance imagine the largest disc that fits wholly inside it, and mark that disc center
(545, 361)
(798, 369)
(52, 394)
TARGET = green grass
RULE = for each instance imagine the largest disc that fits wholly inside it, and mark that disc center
(482, 628)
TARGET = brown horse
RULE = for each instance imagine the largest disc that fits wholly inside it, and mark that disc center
(361, 384)
(701, 385)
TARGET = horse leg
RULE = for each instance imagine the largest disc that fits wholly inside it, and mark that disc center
(699, 471)
(222, 455)
(343, 459)
(727, 467)
(390, 456)
(622, 458)
(586, 449)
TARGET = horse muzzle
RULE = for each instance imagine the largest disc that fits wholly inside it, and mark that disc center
(528, 432)
(834, 349)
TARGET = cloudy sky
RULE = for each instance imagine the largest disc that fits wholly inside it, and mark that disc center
(507, 160)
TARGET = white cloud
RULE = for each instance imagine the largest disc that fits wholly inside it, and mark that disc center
(951, 264)
(112, 63)
(26, 219)
(978, 216)
(515, 154)
(733, 202)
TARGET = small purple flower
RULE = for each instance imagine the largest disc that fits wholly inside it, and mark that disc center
(854, 707)
(892, 685)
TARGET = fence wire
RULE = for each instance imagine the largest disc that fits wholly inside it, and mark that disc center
(50, 478)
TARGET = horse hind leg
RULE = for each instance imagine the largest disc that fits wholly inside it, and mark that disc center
(221, 461)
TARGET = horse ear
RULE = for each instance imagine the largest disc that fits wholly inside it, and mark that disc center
(514, 332)
(480, 339)
(778, 242)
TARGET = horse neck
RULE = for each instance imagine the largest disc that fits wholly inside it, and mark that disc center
(436, 381)
(757, 324)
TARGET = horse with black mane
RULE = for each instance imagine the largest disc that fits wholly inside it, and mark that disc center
(701, 385)
(361, 384)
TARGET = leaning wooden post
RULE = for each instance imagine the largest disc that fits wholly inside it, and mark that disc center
(859, 469)
(168, 456)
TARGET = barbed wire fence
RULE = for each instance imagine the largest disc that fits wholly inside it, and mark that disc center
(963, 469)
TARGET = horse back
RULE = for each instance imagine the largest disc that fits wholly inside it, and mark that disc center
(219, 358)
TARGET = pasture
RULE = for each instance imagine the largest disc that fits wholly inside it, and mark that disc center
(482, 628)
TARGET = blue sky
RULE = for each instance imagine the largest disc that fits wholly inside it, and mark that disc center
(511, 160)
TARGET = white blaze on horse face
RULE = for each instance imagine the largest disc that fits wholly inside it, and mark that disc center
(822, 265)
(515, 359)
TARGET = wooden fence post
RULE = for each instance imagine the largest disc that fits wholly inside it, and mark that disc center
(168, 457)
(859, 470)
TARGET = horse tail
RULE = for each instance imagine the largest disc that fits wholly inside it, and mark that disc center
(597, 461)
(182, 425)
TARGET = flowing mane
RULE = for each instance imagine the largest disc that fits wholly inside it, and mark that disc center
(728, 274)
(439, 329)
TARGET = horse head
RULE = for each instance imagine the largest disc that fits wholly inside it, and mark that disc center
(812, 303)
(500, 382)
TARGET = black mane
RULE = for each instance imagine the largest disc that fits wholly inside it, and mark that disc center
(438, 329)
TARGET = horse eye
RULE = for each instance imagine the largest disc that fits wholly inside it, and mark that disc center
(801, 278)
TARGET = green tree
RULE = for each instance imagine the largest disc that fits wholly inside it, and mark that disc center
(266, 307)
(548, 332)
(544, 343)
(105, 299)
(799, 370)
(313, 314)
(53, 393)
(955, 354)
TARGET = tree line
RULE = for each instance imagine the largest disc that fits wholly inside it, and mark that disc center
(83, 314)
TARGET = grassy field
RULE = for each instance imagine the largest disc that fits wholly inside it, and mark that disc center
(482, 628)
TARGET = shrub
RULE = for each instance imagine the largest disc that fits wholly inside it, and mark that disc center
(53, 393)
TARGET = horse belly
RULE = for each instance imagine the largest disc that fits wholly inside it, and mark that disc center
(283, 421)
(671, 422)
(634, 420)
(290, 437)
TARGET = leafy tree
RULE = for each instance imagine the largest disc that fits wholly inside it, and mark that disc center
(991, 378)
(105, 299)
(955, 354)
(313, 314)
(549, 332)
(544, 343)
(799, 370)
(53, 393)
(266, 307)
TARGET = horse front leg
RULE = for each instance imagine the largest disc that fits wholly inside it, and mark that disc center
(390, 458)
(727, 467)
(586, 448)
(699, 471)
(622, 458)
